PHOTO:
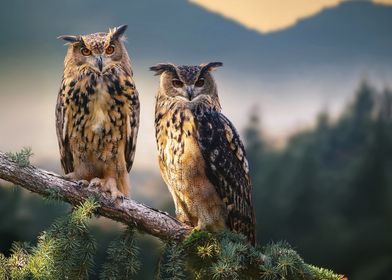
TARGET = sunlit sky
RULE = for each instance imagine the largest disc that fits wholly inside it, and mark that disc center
(269, 15)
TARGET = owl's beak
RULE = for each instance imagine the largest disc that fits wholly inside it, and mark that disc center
(190, 92)
(98, 60)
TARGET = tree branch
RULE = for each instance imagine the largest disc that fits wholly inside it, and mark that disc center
(129, 212)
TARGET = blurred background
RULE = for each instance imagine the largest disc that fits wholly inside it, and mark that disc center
(307, 84)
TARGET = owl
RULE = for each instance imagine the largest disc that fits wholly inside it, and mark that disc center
(97, 112)
(201, 157)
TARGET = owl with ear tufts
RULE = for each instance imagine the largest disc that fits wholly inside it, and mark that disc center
(97, 112)
(201, 156)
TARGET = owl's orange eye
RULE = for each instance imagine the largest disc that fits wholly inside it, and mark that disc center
(85, 51)
(199, 82)
(109, 50)
(177, 83)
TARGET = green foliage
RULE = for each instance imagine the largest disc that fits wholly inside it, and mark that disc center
(322, 273)
(22, 158)
(172, 264)
(122, 260)
(65, 251)
(53, 196)
(17, 262)
(4, 269)
(229, 256)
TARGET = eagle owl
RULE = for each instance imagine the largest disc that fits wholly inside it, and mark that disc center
(97, 112)
(201, 157)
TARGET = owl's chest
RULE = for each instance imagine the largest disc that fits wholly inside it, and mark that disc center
(178, 148)
(96, 121)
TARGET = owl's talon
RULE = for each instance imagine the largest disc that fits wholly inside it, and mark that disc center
(82, 183)
(110, 186)
(122, 197)
(116, 195)
(95, 183)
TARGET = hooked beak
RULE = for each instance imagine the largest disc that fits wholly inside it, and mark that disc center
(98, 60)
(189, 92)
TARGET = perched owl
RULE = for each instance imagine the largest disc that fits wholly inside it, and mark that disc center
(201, 156)
(97, 112)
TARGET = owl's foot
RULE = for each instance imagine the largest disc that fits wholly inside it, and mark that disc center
(110, 186)
(70, 176)
(107, 185)
(95, 183)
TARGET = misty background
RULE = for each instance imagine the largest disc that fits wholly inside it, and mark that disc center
(309, 93)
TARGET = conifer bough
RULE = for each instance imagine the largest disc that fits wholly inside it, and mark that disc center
(146, 219)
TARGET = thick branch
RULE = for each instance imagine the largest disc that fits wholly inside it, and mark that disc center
(129, 212)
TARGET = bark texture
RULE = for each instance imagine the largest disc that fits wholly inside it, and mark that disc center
(127, 211)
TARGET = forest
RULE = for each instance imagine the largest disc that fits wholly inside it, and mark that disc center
(327, 192)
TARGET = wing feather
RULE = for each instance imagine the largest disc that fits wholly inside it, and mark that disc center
(227, 169)
(62, 134)
(132, 123)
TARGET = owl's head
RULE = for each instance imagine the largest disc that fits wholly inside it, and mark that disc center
(97, 52)
(187, 83)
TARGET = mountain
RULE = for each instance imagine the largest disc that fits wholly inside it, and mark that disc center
(175, 30)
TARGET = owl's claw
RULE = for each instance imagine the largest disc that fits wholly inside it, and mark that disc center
(115, 195)
(72, 177)
(95, 183)
(111, 186)
(121, 196)
(82, 183)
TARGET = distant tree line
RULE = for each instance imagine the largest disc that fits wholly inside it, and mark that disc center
(329, 190)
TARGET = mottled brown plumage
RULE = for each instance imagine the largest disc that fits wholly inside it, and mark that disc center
(97, 112)
(201, 156)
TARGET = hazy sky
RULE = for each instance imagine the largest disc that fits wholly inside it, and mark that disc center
(269, 15)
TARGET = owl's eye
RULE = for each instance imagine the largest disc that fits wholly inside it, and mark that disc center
(199, 82)
(109, 50)
(85, 51)
(177, 83)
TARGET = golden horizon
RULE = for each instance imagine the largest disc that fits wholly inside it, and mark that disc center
(266, 16)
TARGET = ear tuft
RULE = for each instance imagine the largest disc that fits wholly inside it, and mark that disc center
(70, 38)
(118, 32)
(209, 67)
(162, 67)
